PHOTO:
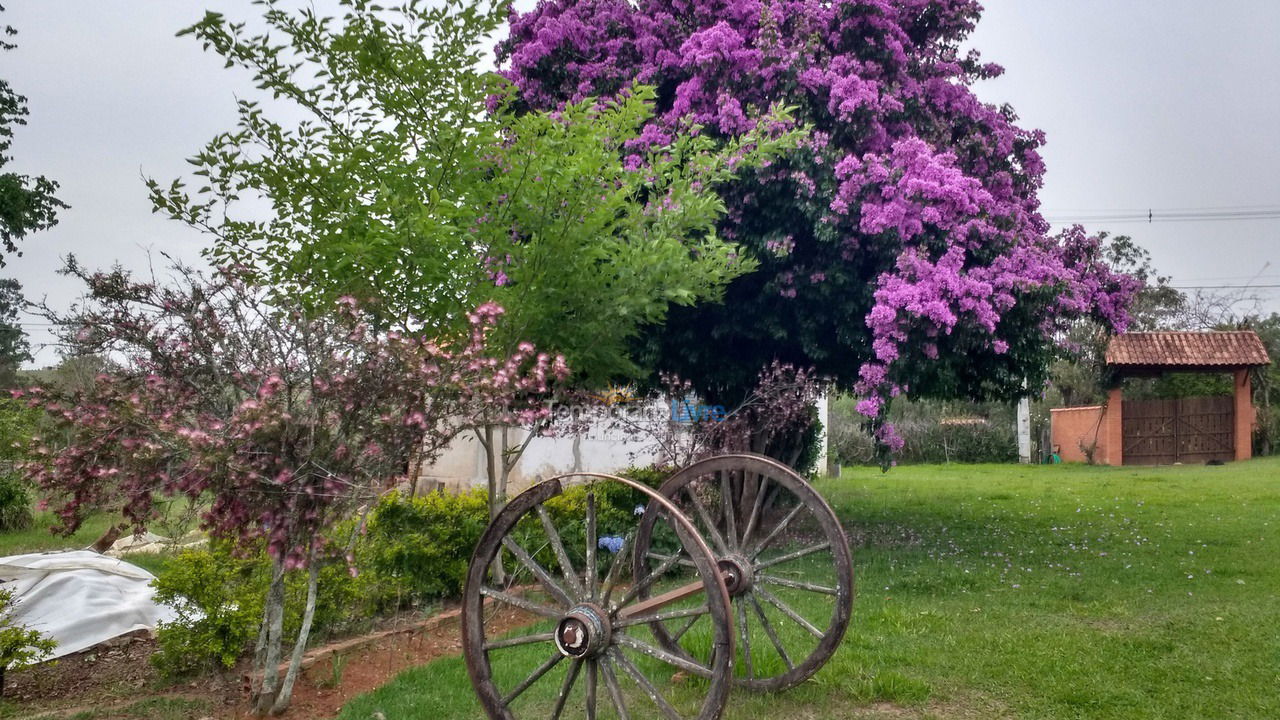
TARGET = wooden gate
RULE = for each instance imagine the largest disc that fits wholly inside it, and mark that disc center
(1178, 430)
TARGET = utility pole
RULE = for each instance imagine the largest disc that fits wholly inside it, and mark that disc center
(1024, 429)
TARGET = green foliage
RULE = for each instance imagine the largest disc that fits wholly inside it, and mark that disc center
(401, 189)
(218, 600)
(20, 646)
(15, 504)
(14, 349)
(26, 203)
(932, 431)
(1179, 385)
(17, 425)
(418, 548)
(810, 446)
(219, 595)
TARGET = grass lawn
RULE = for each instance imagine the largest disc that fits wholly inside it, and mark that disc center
(38, 538)
(1024, 592)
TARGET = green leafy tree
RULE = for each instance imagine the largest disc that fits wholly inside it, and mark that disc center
(26, 203)
(20, 646)
(14, 349)
(409, 187)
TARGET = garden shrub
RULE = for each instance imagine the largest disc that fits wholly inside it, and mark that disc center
(15, 503)
(20, 646)
(218, 600)
(218, 596)
(986, 433)
(418, 548)
(413, 550)
(17, 425)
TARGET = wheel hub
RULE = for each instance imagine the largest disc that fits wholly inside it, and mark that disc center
(738, 574)
(583, 632)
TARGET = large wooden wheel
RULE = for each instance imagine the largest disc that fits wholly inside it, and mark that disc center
(785, 557)
(557, 628)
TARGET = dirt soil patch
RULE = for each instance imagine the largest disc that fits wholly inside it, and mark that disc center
(103, 683)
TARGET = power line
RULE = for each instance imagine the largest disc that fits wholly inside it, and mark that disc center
(1152, 215)
(1224, 287)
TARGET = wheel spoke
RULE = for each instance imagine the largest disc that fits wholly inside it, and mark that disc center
(538, 571)
(768, 630)
(726, 508)
(615, 692)
(590, 576)
(593, 669)
(755, 511)
(522, 640)
(663, 558)
(786, 610)
(745, 633)
(569, 678)
(545, 667)
(557, 546)
(777, 530)
(793, 555)
(523, 604)
(644, 683)
(694, 612)
(685, 628)
(641, 646)
(639, 586)
(611, 579)
(797, 584)
(712, 530)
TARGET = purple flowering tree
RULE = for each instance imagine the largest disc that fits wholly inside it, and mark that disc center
(900, 249)
(276, 422)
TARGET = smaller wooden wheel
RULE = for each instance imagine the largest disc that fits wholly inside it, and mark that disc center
(785, 558)
(555, 626)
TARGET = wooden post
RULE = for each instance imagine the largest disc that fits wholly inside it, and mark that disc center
(1114, 428)
(1243, 415)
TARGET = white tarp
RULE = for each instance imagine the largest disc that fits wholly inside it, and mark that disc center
(81, 598)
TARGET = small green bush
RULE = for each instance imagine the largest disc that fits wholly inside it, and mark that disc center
(17, 424)
(926, 437)
(219, 596)
(20, 646)
(15, 503)
(218, 599)
(418, 548)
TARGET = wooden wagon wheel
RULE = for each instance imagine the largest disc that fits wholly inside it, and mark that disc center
(580, 622)
(785, 557)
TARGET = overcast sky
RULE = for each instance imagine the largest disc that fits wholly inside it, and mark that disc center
(1160, 105)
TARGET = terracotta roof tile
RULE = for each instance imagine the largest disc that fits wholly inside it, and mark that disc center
(1235, 348)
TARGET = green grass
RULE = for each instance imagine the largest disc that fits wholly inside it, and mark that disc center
(38, 538)
(1025, 592)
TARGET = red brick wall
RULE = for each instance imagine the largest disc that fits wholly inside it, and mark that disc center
(1072, 427)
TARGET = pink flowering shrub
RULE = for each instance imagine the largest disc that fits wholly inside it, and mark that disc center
(282, 423)
(901, 248)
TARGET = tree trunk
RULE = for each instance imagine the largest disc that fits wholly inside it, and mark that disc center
(304, 633)
(495, 499)
(274, 611)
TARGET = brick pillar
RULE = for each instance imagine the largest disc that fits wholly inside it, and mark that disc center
(1113, 428)
(1244, 415)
